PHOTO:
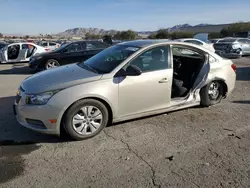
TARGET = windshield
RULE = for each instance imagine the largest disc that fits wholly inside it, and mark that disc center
(61, 47)
(108, 59)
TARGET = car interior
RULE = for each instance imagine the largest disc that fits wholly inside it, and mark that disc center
(13, 52)
(187, 64)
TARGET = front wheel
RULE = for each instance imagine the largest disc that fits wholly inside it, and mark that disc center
(211, 94)
(85, 119)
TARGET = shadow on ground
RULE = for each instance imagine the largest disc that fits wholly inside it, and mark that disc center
(19, 69)
(242, 102)
(243, 73)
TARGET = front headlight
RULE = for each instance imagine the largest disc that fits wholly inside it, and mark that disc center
(40, 99)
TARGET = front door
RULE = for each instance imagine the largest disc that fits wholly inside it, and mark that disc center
(152, 89)
(71, 53)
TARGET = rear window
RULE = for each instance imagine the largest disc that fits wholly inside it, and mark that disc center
(228, 40)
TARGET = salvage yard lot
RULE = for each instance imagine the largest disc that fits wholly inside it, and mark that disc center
(196, 147)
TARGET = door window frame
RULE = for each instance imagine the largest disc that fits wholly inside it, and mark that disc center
(81, 49)
(170, 64)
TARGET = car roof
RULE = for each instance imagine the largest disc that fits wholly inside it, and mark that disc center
(148, 43)
(143, 43)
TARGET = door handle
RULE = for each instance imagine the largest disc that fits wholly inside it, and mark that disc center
(163, 80)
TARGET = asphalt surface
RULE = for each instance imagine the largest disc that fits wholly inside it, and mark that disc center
(195, 147)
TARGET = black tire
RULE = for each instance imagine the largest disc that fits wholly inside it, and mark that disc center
(51, 61)
(74, 109)
(207, 99)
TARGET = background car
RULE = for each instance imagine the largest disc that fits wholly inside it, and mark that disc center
(49, 45)
(20, 52)
(68, 53)
(126, 81)
(2, 45)
(233, 47)
(198, 42)
(213, 41)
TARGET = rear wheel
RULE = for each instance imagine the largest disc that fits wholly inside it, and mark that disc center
(51, 63)
(212, 93)
(85, 119)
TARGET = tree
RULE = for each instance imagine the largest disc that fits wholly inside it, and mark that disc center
(235, 28)
(125, 35)
(152, 36)
(26, 37)
(92, 36)
(162, 34)
(1, 35)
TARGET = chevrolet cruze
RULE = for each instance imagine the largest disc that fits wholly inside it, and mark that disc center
(125, 81)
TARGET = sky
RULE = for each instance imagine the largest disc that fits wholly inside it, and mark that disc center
(53, 16)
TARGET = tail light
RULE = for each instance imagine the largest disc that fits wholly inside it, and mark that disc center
(234, 67)
(47, 50)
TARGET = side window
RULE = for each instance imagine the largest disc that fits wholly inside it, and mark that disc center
(186, 52)
(75, 47)
(194, 42)
(52, 44)
(152, 60)
(44, 44)
(25, 46)
(94, 45)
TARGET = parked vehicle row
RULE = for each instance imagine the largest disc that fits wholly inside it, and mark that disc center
(125, 81)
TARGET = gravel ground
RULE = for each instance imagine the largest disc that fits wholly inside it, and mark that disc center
(195, 147)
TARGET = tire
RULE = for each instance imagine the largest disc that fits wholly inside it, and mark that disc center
(209, 98)
(82, 119)
(51, 63)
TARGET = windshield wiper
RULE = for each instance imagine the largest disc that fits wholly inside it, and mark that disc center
(90, 68)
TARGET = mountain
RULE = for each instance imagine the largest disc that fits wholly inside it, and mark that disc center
(81, 32)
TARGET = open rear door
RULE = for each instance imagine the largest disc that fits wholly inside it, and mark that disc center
(22, 55)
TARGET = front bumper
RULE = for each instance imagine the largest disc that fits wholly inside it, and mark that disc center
(27, 114)
(34, 64)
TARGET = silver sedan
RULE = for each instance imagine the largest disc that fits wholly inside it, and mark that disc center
(126, 81)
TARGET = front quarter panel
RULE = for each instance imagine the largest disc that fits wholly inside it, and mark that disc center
(106, 90)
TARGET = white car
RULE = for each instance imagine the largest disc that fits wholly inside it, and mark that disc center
(20, 52)
(198, 42)
(49, 45)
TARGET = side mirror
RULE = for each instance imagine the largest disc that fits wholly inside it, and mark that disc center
(133, 70)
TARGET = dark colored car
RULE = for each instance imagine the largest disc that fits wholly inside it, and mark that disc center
(66, 54)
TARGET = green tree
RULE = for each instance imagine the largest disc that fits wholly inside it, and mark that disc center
(26, 37)
(235, 28)
(125, 35)
(1, 35)
(152, 36)
(178, 35)
(162, 34)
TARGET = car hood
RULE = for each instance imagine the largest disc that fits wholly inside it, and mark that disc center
(58, 78)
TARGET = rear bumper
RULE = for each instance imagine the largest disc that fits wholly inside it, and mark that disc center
(232, 53)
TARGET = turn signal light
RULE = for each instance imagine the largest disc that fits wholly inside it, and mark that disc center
(234, 67)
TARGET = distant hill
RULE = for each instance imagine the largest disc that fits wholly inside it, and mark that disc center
(81, 32)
